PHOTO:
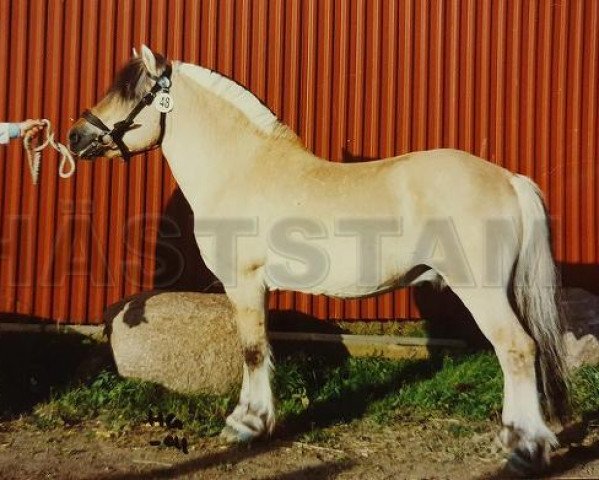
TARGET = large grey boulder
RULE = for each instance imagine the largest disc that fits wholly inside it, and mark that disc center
(581, 351)
(582, 315)
(184, 341)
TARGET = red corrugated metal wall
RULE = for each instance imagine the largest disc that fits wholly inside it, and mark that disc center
(516, 82)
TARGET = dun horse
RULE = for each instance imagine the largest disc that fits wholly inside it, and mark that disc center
(271, 215)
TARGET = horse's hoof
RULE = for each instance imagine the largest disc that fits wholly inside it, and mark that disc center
(523, 463)
(231, 435)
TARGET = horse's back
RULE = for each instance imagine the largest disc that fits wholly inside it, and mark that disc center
(442, 182)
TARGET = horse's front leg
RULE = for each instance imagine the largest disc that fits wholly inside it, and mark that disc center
(254, 415)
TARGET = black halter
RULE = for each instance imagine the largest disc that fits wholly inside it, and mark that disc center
(163, 84)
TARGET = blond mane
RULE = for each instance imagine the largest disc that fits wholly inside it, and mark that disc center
(244, 100)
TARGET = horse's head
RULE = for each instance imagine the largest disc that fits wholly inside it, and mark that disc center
(123, 122)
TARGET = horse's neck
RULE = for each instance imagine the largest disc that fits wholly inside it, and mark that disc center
(205, 144)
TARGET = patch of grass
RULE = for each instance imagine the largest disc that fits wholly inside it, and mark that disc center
(585, 390)
(314, 393)
(304, 383)
(119, 402)
(469, 387)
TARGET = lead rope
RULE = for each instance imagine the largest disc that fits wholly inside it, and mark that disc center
(66, 167)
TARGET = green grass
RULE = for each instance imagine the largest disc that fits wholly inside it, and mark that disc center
(585, 390)
(313, 393)
(119, 402)
(469, 387)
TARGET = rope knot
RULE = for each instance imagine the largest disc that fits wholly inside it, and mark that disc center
(66, 167)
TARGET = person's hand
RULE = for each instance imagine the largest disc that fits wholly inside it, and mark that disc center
(32, 127)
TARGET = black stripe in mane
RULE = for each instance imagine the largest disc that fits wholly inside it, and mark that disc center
(131, 81)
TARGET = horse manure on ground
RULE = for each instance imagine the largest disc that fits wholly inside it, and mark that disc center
(170, 422)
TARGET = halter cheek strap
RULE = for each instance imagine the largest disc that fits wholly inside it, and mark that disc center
(118, 131)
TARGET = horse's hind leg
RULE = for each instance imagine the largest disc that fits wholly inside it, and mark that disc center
(524, 430)
(254, 414)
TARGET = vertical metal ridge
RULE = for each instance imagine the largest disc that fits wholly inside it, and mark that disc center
(452, 55)
(590, 129)
(308, 79)
(421, 61)
(498, 49)
(544, 74)
(512, 98)
(226, 32)
(275, 56)
(558, 116)
(208, 33)
(192, 25)
(527, 118)
(258, 49)
(573, 125)
(467, 81)
(435, 85)
(483, 74)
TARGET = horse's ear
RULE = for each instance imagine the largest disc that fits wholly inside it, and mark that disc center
(134, 53)
(149, 60)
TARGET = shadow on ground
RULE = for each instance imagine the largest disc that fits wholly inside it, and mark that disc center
(234, 455)
(34, 365)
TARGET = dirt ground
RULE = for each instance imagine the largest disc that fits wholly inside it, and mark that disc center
(431, 449)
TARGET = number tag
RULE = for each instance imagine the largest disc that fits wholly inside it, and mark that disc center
(163, 102)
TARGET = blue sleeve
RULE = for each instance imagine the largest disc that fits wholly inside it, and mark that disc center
(14, 130)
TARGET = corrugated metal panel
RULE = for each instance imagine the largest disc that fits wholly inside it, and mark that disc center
(512, 81)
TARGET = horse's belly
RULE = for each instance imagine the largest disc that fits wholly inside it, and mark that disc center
(339, 267)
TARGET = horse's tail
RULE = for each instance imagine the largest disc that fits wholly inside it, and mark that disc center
(535, 291)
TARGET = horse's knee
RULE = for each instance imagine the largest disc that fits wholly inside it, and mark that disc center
(518, 349)
(254, 356)
(522, 353)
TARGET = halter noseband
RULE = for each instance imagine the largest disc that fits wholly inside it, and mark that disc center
(163, 84)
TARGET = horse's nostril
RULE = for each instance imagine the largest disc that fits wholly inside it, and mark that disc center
(74, 138)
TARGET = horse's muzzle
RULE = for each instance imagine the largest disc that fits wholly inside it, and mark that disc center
(83, 141)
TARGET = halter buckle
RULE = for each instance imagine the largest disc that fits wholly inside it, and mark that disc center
(164, 82)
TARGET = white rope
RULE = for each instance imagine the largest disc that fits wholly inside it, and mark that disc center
(66, 168)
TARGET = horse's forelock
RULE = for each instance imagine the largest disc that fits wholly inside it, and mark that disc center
(131, 80)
